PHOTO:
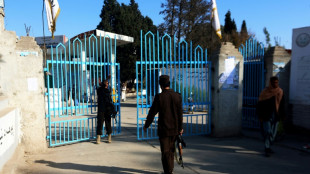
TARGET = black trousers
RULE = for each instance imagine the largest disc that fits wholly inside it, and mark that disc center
(102, 117)
(167, 147)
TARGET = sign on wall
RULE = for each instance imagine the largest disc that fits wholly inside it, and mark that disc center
(300, 73)
(230, 78)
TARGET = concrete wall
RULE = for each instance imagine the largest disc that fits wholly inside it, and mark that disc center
(22, 82)
(278, 63)
(226, 99)
(300, 77)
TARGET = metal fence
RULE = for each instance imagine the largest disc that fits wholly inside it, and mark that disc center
(190, 75)
(74, 71)
(253, 80)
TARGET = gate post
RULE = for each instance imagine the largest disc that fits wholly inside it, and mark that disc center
(227, 77)
(277, 62)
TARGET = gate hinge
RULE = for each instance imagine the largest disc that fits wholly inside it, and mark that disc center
(47, 137)
(46, 93)
(45, 69)
(47, 115)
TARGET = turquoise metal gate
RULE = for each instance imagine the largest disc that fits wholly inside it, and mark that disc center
(253, 80)
(190, 75)
(75, 70)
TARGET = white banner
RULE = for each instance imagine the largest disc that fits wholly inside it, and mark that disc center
(215, 20)
(52, 12)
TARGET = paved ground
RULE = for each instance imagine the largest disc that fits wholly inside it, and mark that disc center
(204, 154)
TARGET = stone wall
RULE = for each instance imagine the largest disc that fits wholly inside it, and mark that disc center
(22, 82)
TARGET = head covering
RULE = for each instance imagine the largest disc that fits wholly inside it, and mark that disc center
(164, 81)
(270, 91)
(105, 80)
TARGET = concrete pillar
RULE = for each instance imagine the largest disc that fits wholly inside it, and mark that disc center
(278, 63)
(227, 77)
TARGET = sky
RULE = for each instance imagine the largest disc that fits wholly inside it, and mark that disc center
(78, 16)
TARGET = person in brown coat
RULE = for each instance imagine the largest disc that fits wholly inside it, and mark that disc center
(169, 105)
(270, 111)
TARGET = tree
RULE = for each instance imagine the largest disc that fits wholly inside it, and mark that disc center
(196, 21)
(267, 35)
(189, 20)
(230, 30)
(126, 20)
(171, 14)
(244, 35)
(244, 30)
(109, 14)
(228, 26)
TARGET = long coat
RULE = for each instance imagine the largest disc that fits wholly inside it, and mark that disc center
(170, 119)
(104, 100)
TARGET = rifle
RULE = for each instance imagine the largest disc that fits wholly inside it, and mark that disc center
(113, 115)
(114, 112)
(180, 143)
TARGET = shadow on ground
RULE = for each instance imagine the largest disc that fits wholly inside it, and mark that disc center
(91, 168)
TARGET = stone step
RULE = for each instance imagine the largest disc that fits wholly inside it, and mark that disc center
(4, 102)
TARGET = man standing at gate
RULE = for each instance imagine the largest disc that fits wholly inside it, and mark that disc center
(169, 105)
(105, 110)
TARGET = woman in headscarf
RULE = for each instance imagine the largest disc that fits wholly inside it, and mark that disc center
(270, 110)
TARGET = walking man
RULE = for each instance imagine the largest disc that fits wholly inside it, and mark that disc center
(270, 111)
(169, 105)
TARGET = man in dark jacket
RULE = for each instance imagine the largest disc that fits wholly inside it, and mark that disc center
(105, 110)
(170, 120)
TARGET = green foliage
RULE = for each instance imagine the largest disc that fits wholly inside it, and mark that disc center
(189, 20)
(126, 20)
(230, 25)
(267, 35)
(109, 15)
(244, 32)
(230, 31)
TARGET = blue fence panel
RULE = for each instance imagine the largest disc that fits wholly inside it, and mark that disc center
(190, 75)
(253, 81)
(75, 71)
